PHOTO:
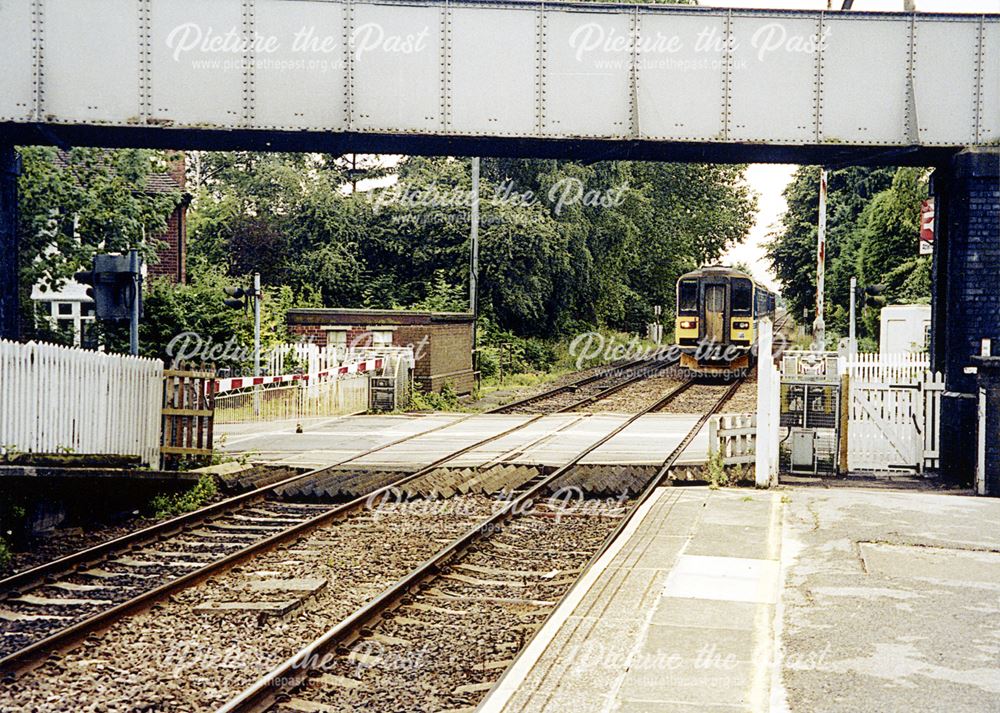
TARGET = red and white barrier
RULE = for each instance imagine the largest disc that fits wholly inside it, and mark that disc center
(362, 367)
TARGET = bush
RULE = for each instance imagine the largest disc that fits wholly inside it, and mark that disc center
(198, 496)
(5, 555)
(447, 400)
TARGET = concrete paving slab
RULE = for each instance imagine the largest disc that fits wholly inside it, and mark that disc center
(890, 602)
(709, 614)
(729, 541)
(734, 579)
(648, 441)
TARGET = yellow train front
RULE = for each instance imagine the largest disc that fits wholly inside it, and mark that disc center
(717, 313)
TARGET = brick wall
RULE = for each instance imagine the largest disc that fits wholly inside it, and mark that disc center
(966, 306)
(173, 255)
(442, 342)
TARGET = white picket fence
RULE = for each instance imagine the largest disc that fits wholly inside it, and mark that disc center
(734, 435)
(894, 412)
(57, 399)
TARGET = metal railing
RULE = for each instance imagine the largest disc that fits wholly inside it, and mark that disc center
(295, 400)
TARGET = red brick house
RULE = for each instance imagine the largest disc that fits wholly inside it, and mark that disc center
(173, 257)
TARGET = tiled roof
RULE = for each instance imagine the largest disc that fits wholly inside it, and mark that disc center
(155, 182)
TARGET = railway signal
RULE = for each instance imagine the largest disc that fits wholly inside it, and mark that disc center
(115, 286)
(239, 298)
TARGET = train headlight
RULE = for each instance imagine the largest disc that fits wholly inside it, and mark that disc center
(689, 324)
(741, 325)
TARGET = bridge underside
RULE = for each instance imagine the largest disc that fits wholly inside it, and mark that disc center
(581, 149)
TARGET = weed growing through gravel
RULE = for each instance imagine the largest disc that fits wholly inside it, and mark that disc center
(170, 505)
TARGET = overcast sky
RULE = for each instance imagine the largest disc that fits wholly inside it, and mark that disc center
(769, 180)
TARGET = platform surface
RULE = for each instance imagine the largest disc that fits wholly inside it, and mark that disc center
(841, 600)
(675, 617)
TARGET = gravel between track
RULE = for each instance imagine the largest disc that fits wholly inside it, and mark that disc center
(744, 400)
(172, 658)
(635, 397)
(698, 398)
(445, 649)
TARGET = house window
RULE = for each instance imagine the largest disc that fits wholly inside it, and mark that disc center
(64, 309)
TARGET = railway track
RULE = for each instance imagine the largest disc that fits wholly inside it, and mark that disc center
(440, 637)
(60, 602)
(584, 392)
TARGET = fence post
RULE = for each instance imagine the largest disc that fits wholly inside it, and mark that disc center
(765, 372)
(845, 419)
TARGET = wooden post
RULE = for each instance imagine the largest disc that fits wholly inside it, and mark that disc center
(845, 418)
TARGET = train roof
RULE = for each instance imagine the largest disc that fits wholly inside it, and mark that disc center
(721, 271)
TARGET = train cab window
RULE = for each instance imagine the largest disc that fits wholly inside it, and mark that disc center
(742, 296)
(687, 296)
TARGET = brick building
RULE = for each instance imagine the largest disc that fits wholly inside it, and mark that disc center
(442, 341)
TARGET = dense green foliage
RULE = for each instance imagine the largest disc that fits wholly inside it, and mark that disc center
(83, 202)
(873, 223)
(564, 246)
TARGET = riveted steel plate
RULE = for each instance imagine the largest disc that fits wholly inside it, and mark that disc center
(197, 68)
(397, 59)
(772, 79)
(78, 88)
(588, 62)
(681, 91)
(300, 74)
(506, 103)
(864, 81)
(17, 57)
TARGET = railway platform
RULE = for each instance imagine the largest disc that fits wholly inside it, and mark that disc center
(676, 616)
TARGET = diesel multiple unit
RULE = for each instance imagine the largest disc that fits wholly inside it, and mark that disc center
(717, 313)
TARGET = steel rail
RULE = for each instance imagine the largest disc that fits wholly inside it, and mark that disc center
(27, 656)
(276, 684)
(573, 386)
(600, 395)
(36, 576)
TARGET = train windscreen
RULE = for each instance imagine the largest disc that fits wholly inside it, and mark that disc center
(742, 296)
(687, 297)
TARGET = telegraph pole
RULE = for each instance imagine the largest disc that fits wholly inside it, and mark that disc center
(474, 241)
(474, 262)
(852, 335)
(819, 326)
(135, 268)
(256, 324)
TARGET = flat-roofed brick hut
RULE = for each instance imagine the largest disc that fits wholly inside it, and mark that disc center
(442, 341)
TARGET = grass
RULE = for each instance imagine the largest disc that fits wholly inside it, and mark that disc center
(178, 504)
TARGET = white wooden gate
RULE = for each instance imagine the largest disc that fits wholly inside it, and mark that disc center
(893, 412)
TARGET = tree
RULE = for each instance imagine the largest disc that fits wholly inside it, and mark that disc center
(75, 204)
(872, 228)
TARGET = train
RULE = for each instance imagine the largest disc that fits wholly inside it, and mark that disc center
(718, 309)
